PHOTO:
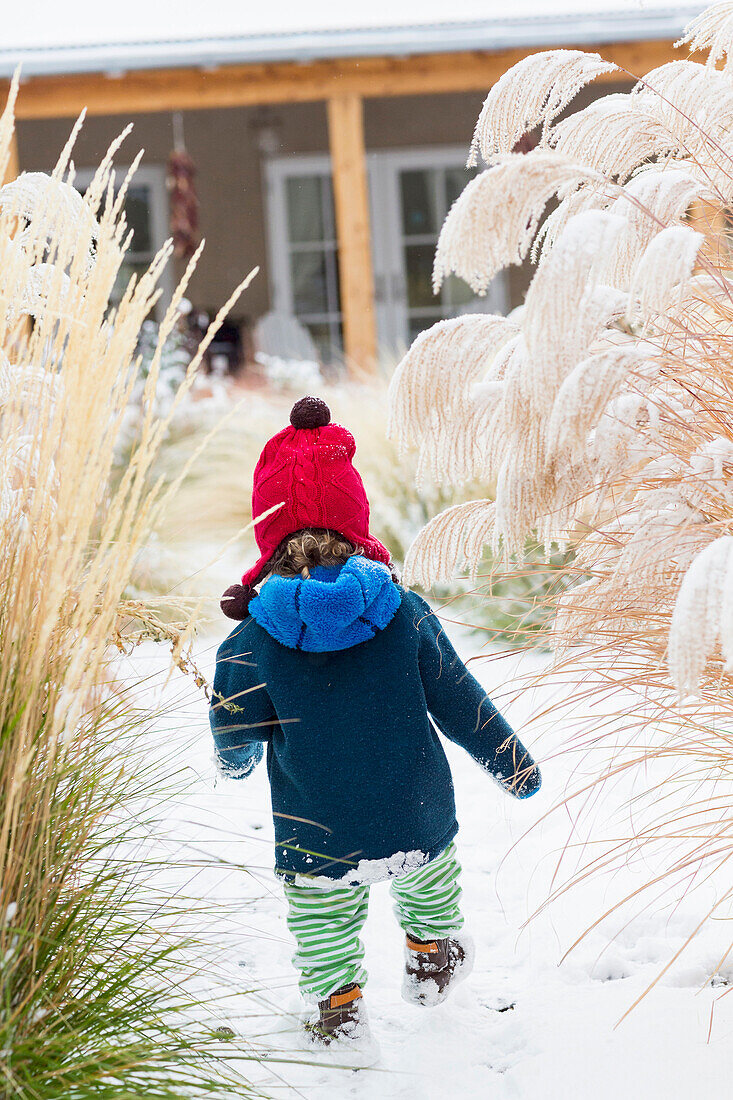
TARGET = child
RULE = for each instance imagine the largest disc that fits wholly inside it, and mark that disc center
(339, 671)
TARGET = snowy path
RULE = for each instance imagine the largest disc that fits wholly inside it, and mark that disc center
(557, 1042)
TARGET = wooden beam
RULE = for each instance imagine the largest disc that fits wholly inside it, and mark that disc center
(141, 91)
(351, 203)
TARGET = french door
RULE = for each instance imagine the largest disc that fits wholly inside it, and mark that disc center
(410, 193)
(303, 254)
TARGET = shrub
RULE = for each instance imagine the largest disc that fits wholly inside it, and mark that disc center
(92, 1001)
(604, 412)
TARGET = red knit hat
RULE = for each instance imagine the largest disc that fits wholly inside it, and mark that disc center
(307, 468)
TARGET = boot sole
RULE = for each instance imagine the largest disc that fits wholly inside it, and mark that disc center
(343, 1051)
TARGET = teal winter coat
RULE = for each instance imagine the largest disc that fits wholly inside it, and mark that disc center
(348, 679)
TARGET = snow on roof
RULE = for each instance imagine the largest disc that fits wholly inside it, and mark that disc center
(93, 36)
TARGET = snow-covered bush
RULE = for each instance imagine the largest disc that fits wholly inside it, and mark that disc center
(603, 409)
(203, 400)
(599, 409)
(175, 359)
(288, 374)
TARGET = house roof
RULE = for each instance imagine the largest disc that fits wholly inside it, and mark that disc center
(92, 36)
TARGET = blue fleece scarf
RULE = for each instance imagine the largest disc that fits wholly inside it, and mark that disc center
(336, 608)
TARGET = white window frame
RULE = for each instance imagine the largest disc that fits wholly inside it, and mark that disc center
(278, 170)
(388, 239)
(153, 177)
(384, 166)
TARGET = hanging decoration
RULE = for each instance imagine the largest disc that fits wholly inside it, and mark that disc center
(182, 197)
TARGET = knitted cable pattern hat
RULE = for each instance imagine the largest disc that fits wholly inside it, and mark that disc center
(306, 468)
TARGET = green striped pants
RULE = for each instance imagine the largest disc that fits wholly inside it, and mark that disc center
(326, 922)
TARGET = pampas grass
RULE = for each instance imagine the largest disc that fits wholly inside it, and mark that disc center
(604, 388)
(532, 93)
(611, 426)
(93, 1002)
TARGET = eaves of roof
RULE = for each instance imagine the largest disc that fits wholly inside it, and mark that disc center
(576, 29)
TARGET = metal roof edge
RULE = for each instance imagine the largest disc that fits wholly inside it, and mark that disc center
(575, 29)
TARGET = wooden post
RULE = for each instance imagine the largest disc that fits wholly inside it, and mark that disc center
(351, 201)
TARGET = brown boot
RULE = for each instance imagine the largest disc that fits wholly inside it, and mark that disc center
(433, 967)
(342, 1016)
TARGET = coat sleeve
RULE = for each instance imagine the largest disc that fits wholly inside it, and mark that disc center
(241, 713)
(463, 712)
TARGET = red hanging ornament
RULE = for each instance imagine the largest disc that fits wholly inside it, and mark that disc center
(182, 198)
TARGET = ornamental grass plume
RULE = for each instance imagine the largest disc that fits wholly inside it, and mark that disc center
(603, 411)
(93, 1002)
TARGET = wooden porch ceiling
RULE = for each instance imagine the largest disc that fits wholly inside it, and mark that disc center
(247, 85)
(343, 85)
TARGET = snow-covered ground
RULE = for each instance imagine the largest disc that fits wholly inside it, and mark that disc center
(524, 1025)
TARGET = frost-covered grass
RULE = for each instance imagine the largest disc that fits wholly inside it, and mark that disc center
(603, 408)
(96, 999)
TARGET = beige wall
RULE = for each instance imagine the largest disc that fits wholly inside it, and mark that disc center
(224, 146)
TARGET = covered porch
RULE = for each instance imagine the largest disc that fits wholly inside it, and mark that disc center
(333, 175)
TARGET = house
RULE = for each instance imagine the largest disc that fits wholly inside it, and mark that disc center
(329, 140)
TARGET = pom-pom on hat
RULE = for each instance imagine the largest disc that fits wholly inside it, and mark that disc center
(306, 468)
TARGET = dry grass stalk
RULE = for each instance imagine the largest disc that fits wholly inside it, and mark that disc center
(594, 408)
(74, 962)
(610, 421)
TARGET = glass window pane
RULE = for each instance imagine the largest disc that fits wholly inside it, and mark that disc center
(419, 275)
(416, 325)
(328, 340)
(417, 188)
(456, 292)
(455, 181)
(137, 212)
(332, 280)
(127, 270)
(305, 208)
(329, 224)
(310, 287)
